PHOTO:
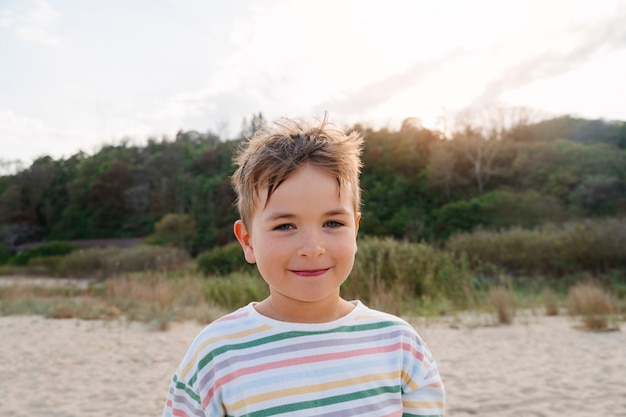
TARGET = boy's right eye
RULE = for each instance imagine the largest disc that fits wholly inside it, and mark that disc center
(285, 226)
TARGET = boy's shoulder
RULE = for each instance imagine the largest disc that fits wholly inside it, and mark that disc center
(235, 322)
(246, 324)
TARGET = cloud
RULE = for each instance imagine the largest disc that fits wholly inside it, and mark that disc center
(603, 37)
(36, 24)
(382, 90)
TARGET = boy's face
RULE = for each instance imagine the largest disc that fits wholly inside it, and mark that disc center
(304, 239)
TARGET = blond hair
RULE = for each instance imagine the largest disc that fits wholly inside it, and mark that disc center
(271, 155)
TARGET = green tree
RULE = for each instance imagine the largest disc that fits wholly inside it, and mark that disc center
(174, 229)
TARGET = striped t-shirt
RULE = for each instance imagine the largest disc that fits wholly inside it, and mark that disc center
(367, 363)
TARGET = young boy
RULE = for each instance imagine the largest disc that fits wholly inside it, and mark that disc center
(304, 350)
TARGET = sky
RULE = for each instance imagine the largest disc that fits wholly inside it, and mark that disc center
(76, 75)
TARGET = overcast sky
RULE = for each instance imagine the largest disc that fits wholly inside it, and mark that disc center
(77, 74)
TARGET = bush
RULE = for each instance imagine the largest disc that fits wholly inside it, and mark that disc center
(410, 270)
(497, 210)
(223, 260)
(587, 245)
(5, 254)
(550, 302)
(592, 303)
(502, 300)
(236, 290)
(46, 264)
(173, 229)
(57, 248)
(105, 262)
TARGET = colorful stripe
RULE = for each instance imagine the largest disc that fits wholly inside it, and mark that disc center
(367, 363)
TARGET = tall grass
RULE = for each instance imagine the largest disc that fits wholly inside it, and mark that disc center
(592, 245)
(504, 303)
(592, 303)
(387, 271)
(102, 263)
(235, 290)
(388, 275)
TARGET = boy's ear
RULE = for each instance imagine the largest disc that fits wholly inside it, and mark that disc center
(243, 236)
(357, 221)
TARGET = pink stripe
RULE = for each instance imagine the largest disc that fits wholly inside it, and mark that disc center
(179, 413)
(231, 317)
(308, 359)
(418, 355)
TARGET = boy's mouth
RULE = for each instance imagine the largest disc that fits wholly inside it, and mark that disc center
(309, 272)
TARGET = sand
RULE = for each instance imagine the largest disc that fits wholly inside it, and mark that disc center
(539, 366)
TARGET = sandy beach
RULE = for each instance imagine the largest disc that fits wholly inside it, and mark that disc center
(540, 366)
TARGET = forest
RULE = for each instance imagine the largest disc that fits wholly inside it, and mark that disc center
(497, 172)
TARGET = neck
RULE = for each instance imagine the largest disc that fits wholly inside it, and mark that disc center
(294, 311)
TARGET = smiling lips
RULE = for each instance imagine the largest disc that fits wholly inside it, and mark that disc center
(310, 272)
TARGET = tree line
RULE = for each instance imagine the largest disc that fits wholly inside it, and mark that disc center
(495, 170)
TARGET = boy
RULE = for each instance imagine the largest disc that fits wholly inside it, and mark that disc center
(304, 350)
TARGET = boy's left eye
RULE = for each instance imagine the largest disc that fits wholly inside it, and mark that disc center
(333, 224)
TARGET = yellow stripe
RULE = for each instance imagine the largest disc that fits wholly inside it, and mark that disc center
(194, 358)
(369, 316)
(423, 404)
(307, 389)
(407, 379)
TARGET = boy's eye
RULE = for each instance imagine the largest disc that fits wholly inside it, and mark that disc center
(283, 227)
(333, 224)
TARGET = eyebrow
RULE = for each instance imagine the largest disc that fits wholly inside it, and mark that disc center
(283, 215)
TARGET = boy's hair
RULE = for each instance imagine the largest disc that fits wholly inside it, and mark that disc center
(271, 155)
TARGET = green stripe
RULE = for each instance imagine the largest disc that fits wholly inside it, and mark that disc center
(282, 336)
(190, 392)
(322, 402)
(421, 415)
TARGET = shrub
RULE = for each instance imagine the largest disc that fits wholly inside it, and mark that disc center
(223, 260)
(106, 262)
(409, 270)
(496, 210)
(592, 303)
(56, 248)
(47, 264)
(173, 229)
(503, 301)
(587, 245)
(88, 263)
(235, 290)
(5, 254)
(550, 302)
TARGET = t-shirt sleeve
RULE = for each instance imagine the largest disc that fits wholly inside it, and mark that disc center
(181, 401)
(184, 396)
(423, 392)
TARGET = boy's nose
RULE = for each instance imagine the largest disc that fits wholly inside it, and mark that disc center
(311, 246)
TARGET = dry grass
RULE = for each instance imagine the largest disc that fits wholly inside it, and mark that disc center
(384, 299)
(550, 301)
(592, 304)
(504, 303)
(151, 298)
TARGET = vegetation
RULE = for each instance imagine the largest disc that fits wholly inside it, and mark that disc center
(549, 250)
(592, 303)
(102, 263)
(448, 218)
(492, 172)
(502, 300)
